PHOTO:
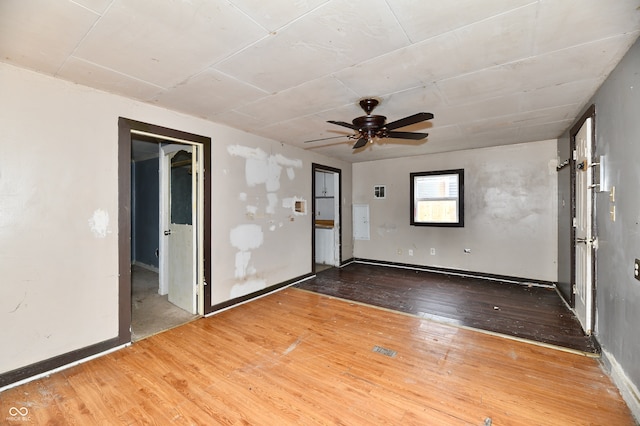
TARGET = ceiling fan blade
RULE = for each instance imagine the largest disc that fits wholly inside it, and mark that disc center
(406, 135)
(342, 123)
(407, 121)
(324, 139)
(361, 142)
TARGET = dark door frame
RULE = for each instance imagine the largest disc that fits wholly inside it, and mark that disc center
(319, 167)
(125, 126)
(589, 113)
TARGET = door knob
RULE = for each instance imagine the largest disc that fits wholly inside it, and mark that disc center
(167, 232)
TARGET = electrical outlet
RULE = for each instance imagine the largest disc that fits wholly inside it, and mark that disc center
(636, 269)
(433, 251)
(410, 252)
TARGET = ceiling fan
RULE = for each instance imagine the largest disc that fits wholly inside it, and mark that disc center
(369, 126)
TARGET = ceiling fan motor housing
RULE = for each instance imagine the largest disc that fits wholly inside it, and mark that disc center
(369, 122)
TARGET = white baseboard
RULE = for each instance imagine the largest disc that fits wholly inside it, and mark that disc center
(628, 389)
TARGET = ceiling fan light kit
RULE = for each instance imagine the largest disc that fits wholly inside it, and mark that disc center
(369, 127)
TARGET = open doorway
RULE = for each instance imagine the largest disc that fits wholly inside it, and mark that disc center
(146, 226)
(327, 217)
(163, 241)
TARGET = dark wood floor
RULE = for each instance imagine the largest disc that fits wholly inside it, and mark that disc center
(527, 312)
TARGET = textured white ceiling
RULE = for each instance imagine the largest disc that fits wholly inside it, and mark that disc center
(492, 72)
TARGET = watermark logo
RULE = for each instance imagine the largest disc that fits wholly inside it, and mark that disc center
(18, 414)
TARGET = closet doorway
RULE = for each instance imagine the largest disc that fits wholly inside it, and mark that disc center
(164, 234)
(178, 170)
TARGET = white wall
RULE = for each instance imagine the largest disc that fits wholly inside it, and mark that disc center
(59, 207)
(510, 212)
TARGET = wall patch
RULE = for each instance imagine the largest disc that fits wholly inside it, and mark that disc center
(246, 237)
(248, 287)
(99, 223)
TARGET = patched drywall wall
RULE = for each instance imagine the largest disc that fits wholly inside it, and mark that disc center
(264, 215)
(260, 238)
(617, 104)
(510, 212)
(59, 212)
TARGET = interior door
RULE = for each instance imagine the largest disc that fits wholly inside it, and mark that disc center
(584, 238)
(179, 231)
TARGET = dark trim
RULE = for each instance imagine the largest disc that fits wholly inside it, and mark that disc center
(460, 222)
(255, 294)
(347, 261)
(590, 112)
(40, 367)
(125, 126)
(319, 167)
(124, 231)
(207, 264)
(480, 275)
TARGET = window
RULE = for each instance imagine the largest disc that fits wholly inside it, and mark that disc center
(437, 198)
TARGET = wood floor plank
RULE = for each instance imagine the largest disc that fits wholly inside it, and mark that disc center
(297, 357)
(522, 311)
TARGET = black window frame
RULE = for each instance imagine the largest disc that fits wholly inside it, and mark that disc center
(460, 199)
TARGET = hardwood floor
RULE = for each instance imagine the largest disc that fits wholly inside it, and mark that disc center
(527, 312)
(297, 357)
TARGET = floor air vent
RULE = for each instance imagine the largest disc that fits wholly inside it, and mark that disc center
(384, 351)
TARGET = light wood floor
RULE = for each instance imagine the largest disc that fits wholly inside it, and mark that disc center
(297, 357)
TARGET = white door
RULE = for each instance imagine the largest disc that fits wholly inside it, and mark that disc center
(585, 241)
(179, 251)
